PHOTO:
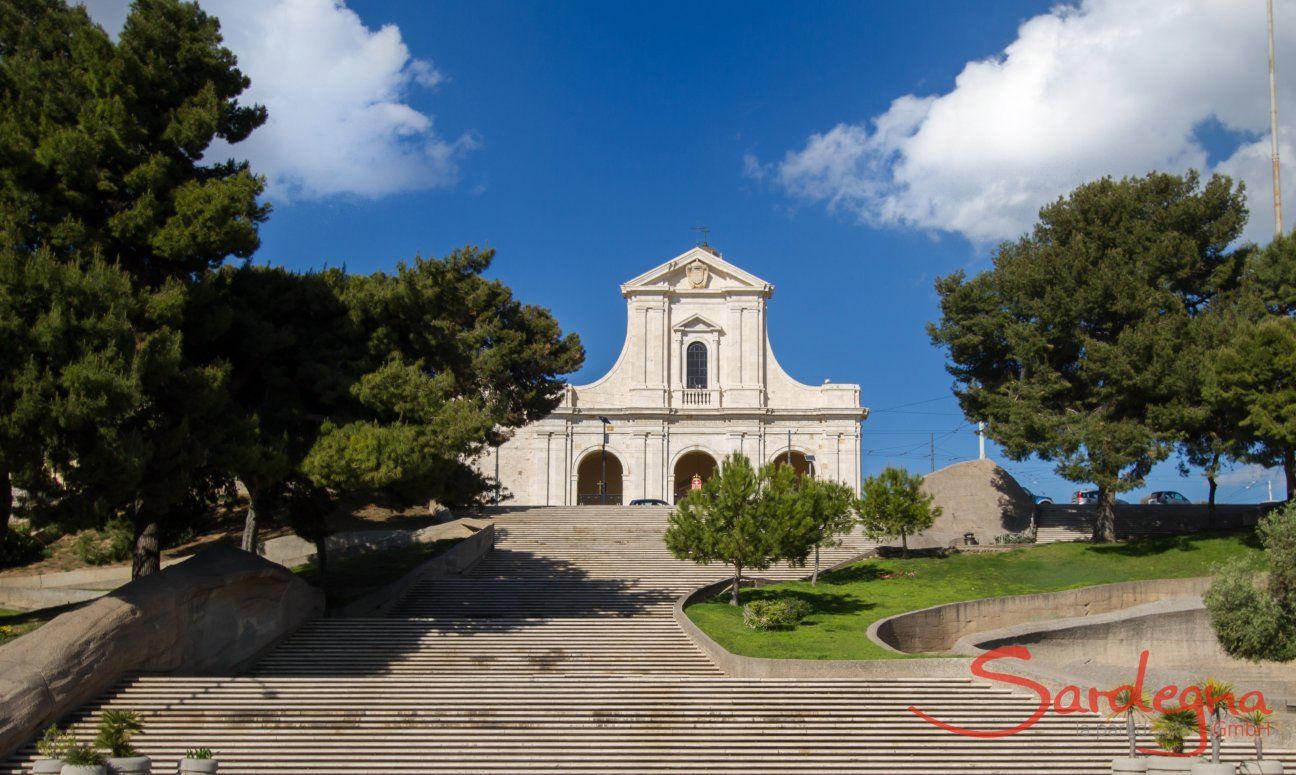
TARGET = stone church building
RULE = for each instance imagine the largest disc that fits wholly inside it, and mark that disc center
(696, 381)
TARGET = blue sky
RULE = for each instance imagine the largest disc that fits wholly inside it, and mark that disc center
(848, 152)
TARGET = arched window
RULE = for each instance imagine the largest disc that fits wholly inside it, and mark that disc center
(695, 372)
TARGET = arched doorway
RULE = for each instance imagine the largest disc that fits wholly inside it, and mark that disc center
(800, 465)
(697, 463)
(598, 479)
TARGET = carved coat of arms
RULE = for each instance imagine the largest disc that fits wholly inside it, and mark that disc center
(697, 274)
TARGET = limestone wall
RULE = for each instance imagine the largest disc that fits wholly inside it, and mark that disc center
(976, 496)
(214, 613)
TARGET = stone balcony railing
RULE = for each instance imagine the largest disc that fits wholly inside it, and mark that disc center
(696, 398)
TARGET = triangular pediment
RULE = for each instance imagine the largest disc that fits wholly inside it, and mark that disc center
(698, 270)
(696, 324)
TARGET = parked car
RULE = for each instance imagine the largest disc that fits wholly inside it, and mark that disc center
(648, 502)
(1165, 497)
(1090, 497)
(1037, 498)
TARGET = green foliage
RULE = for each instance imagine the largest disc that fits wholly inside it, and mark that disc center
(740, 517)
(55, 743)
(115, 730)
(893, 505)
(1008, 539)
(1173, 727)
(199, 753)
(115, 543)
(1252, 376)
(823, 511)
(21, 547)
(83, 756)
(104, 147)
(776, 614)
(1254, 623)
(1071, 347)
(452, 362)
(140, 374)
(104, 141)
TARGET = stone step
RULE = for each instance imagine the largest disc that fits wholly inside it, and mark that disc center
(558, 652)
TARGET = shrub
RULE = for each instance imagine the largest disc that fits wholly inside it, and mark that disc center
(55, 743)
(115, 543)
(1253, 622)
(116, 729)
(1014, 538)
(775, 614)
(21, 547)
(83, 756)
(1173, 727)
(199, 753)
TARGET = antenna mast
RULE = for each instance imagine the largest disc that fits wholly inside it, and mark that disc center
(1273, 129)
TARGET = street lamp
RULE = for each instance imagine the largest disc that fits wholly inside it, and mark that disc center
(603, 461)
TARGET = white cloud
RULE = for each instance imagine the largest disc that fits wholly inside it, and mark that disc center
(1108, 87)
(337, 93)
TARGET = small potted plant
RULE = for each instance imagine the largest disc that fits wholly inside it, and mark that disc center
(1170, 730)
(1125, 705)
(198, 761)
(53, 747)
(83, 760)
(116, 728)
(1259, 721)
(1214, 696)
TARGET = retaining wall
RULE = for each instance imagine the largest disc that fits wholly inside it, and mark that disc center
(212, 614)
(456, 559)
(938, 628)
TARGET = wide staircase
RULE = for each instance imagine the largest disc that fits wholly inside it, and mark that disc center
(558, 652)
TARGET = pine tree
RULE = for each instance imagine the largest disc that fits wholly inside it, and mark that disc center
(739, 517)
(104, 149)
(1069, 348)
(824, 511)
(893, 505)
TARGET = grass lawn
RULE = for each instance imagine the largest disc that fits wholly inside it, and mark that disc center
(351, 579)
(847, 602)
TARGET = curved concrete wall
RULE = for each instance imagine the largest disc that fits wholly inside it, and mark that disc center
(938, 628)
(1177, 633)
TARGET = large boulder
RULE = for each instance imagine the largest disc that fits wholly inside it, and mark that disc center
(978, 497)
(212, 614)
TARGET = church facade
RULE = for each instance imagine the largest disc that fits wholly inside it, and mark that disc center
(696, 381)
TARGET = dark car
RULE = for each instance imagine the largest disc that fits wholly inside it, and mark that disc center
(1166, 497)
(648, 502)
(1037, 498)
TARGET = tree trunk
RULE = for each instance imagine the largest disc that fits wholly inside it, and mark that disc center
(904, 545)
(1131, 733)
(737, 580)
(1289, 468)
(6, 501)
(321, 557)
(1104, 531)
(814, 577)
(1210, 502)
(250, 519)
(148, 554)
(1215, 736)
